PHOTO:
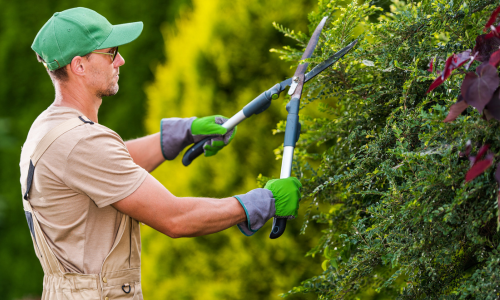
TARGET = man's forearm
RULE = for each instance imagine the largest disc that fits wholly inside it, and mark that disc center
(146, 151)
(202, 216)
(176, 217)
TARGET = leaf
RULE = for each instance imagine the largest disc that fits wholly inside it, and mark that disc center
(436, 83)
(485, 45)
(431, 65)
(456, 109)
(324, 265)
(492, 18)
(486, 115)
(326, 252)
(460, 59)
(479, 167)
(497, 173)
(368, 63)
(448, 67)
(495, 58)
(493, 107)
(477, 89)
(334, 263)
(452, 62)
(482, 151)
(472, 58)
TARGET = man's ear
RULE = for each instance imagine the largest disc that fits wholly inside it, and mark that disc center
(78, 65)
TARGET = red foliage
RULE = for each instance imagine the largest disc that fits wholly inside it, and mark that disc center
(482, 151)
(431, 65)
(459, 59)
(492, 18)
(497, 173)
(479, 166)
(485, 45)
(453, 62)
(494, 58)
(478, 87)
(456, 109)
(493, 107)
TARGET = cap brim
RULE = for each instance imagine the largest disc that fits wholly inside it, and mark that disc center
(122, 34)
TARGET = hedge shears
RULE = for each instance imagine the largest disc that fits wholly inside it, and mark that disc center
(263, 101)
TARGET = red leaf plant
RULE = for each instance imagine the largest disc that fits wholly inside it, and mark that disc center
(453, 62)
(478, 166)
(492, 18)
(480, 88)
(456, 109)
(494, 58)
(492, 109)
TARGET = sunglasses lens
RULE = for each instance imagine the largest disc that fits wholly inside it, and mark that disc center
(115, 53)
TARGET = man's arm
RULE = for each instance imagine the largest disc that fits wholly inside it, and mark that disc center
(177, 217)
(146, 151)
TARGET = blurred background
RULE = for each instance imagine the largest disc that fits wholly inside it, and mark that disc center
(194, 58)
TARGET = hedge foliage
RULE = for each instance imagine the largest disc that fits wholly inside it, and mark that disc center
(385, 171)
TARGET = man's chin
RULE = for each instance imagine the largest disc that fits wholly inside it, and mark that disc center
(108, 93)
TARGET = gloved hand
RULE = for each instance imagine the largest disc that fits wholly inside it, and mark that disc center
(279, 198)
(287, 194)
(177, 133)
(211, 127)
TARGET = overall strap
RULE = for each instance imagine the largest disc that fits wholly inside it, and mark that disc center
(45, 143)
(49, 262)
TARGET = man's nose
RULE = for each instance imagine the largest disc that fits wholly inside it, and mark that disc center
(119, 60)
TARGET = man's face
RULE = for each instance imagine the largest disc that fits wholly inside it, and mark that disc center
(104, 72)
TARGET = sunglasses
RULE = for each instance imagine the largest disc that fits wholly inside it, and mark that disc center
(113, 52)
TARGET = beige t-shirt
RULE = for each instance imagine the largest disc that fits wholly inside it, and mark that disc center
(84, 171)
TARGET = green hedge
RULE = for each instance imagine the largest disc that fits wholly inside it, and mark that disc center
(383, 167)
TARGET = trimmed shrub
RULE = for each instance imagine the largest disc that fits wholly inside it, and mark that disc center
(384, 170)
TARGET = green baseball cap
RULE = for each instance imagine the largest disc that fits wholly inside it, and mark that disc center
(77, 32)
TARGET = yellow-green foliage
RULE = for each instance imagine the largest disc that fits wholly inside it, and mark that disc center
(218, 59)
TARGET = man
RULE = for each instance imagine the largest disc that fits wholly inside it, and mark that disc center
(85, 190)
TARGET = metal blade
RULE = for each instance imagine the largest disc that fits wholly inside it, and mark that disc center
(321, 67)
(330, 61)
(302, 68)
(314, 39)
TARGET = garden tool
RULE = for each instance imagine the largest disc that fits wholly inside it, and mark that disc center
(263, 101)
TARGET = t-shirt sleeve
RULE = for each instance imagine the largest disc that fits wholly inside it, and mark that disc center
(101, 167)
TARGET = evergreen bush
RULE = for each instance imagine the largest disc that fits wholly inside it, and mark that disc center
(381, 166)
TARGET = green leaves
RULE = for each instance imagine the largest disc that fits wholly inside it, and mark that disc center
(389, 184)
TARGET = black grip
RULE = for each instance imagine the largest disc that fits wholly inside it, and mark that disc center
(193, 152)
(279, 225)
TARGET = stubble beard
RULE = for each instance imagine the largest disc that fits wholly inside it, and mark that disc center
(109, 91)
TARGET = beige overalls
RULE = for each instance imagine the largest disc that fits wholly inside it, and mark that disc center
(120, 276)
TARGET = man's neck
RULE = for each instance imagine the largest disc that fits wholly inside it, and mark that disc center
(78, 99)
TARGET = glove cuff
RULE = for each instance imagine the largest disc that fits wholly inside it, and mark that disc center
(175, 136)
(259, 207)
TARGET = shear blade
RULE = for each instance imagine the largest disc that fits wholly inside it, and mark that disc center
(319, 68)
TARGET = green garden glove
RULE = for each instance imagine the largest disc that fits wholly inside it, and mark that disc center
(286, 193)
(279, 198)
(211, 127)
